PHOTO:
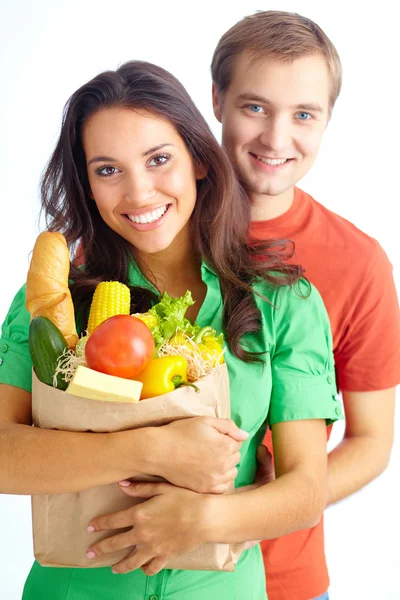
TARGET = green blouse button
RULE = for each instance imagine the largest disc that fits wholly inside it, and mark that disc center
(4, 348)
(337, 411)
(153, 597)
(329, 379)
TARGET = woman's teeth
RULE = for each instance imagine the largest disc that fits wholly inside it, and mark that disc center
(273, 162)
(149, 217)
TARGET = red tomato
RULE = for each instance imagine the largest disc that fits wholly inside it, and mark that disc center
(121, 345)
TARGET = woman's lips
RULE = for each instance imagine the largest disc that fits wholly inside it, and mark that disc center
(154, 224)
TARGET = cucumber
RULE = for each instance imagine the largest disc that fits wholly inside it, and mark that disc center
(46, 344)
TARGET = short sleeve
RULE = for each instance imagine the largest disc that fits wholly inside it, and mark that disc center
(15, 359)
(302, 364)
(368, 354)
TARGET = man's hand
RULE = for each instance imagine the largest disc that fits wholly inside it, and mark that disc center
(265, 470)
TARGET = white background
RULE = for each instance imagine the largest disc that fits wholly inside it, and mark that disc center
(49, 49)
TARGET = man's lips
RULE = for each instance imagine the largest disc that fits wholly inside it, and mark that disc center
(270, 164)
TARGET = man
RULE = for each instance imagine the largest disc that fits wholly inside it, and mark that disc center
(276, 77)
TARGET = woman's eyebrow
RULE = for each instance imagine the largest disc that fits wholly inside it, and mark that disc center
(155, 148)
(101, 159)
(111, 159)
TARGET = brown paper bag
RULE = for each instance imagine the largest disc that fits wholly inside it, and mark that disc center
(60, 520)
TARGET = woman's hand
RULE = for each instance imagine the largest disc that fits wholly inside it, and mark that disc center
(170, 522)
(205, 453)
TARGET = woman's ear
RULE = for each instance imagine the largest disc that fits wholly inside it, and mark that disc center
(200, 171)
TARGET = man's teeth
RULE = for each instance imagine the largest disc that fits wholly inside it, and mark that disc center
(149, 217)
(273, 162)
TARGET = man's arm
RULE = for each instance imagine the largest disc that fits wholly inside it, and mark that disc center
(364, 452)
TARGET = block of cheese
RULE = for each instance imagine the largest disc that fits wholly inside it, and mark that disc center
(91, 384)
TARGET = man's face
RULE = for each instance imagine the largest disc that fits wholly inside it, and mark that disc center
(273, 118)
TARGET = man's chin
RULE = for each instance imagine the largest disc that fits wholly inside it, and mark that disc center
(270, 190)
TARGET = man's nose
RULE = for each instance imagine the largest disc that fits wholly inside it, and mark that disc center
(277, 134)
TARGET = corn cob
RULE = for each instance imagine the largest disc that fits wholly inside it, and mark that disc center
(148, 319)
(110, 298)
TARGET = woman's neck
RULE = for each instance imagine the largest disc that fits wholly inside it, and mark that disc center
(175, 269)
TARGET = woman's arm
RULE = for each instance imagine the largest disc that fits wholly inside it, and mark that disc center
(44, 461)
(295, 500)
(173, 520)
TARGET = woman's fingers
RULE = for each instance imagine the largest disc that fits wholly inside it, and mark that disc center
(112, 544)
(228, 427)
(231, 475)
(124, 518)
(154, 566)
(134, 561)
(143, 490)
(117, 520)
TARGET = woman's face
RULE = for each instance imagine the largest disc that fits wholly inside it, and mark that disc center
(141, 176)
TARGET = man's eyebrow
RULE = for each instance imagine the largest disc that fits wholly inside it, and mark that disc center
(250, 97)
(312, 107)
(96, 159)
(254, 97)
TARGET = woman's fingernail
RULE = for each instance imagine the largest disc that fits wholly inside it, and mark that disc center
(91, 529)
(115, 572)
(91, 554)
(244, 432)
(124, 483)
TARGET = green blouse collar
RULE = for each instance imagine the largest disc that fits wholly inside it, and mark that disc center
(212, 301)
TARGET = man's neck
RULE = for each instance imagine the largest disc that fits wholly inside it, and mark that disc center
(265, 208)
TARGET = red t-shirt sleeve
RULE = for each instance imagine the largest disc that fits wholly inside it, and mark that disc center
(368, 357)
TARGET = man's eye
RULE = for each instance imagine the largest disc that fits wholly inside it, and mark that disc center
(256, 108)
(106, 171)
(159, 160)
(304, 116)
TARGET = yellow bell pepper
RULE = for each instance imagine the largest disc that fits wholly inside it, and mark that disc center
(211, 351)
(209, 348)
(163, 375)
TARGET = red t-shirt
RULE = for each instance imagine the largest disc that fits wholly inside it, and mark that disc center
(354, 278)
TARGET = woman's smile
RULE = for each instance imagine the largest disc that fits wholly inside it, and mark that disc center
(148, 218)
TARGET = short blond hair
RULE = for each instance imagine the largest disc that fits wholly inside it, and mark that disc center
(279, 35)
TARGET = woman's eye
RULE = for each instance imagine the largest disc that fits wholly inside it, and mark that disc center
(106, 171)
(159, 160)
(304, 116)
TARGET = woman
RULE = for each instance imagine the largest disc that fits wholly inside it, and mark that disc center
(138, 178)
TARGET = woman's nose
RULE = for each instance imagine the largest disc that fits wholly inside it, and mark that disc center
(139, 188)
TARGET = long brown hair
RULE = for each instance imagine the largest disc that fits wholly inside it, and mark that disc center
(219, 223)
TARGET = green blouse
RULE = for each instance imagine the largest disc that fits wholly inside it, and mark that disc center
(296, 381)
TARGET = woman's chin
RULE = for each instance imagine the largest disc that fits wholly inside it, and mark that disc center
(154, 246)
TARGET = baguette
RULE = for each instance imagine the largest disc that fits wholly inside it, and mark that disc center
(47, 291)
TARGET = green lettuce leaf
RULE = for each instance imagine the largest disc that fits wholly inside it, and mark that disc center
(171, 315)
